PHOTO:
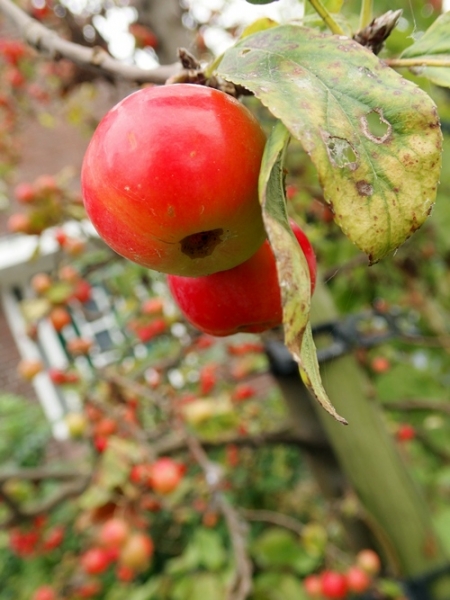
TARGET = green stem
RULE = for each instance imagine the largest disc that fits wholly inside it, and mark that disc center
(366, 14)
(327, 18)
(417, 62)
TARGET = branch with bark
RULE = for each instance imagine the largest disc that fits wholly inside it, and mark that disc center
(241, 584)
(54, 47)
(75, 484)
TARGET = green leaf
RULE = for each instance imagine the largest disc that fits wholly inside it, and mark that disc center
(434, 45)
(258, 25)
(310, 373)
(373, 136)
(212, 553)
(333, 6)
(292, 268)
(199, 586)
(277, 586)
(279, 549)
(261, 1)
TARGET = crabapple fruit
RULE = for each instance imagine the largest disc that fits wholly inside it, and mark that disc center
(334, 584)
(137, 552)
(246, 298)
(170, 180)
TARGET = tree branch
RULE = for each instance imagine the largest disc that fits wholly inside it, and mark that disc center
(241, 585)
(274, 518)
(176, 442)
(422, 405)
(48, 42)
(38, 474)
(72, 489)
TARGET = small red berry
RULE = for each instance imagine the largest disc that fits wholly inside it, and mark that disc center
(334, 585)
(358, 580)
(405, 433)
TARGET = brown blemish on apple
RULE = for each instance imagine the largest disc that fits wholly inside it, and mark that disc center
(201, 244)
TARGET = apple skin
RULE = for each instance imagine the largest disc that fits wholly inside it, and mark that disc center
(170, 180)
(246, 298)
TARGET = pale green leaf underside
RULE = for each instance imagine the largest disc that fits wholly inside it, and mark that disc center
(292, 268)
(433, 45)
(373, 136)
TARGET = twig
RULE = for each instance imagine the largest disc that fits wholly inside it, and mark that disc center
(422, 405)
(38, 474)
(428, 445)
(327, 18)
(71, 489)
(175, 442)
(50, 43)
(417, 62)
(241, 585)
(357, 261)
(275, 518)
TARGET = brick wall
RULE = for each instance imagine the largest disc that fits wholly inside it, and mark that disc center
(10, 381)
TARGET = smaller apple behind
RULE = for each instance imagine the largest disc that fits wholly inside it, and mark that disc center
(246, 298)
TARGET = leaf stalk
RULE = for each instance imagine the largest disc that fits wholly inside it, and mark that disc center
(365, 17)
(326, 17)
(417, 62)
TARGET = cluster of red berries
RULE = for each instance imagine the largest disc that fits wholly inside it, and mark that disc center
(184, 161)
(334, 585)
(151, 320)
(48, 203)
(60, 292)
(163, 475)
(116, 544)
(36, 539)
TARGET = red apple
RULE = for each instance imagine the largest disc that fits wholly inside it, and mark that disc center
(59, 318)
(153, 307)
(114, 533)
(313, 586)
(124, 573)
(79, 346)
(41, 283)
(137, 552)
(405, 433)
(82, 291)
(88, 589)
(25, 193)
(105, 427)
(369, 561)
(358, 580)
(45, 184)
(165, 475)
(95, 561)
(19, 223)
(29, 368)
(245, 298)
(53, 539)
(69, 274)
(170, 180)
(45, 592)
(334, 585)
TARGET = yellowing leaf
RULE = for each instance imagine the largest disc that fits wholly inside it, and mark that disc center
(373, 136)
(292, 268)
